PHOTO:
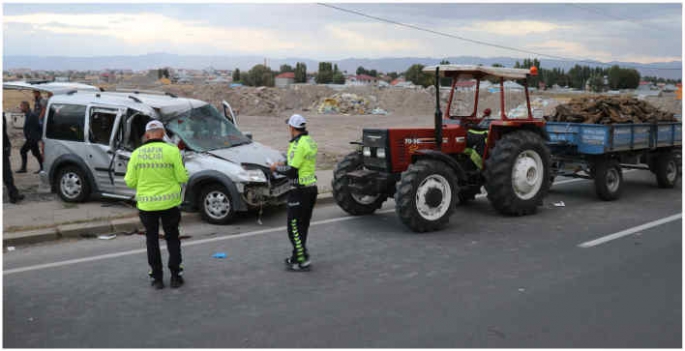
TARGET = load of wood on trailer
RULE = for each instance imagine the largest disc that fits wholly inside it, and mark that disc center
(609, 110)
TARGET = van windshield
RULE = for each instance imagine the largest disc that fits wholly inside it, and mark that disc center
(204, 128)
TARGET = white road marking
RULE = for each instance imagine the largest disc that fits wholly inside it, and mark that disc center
(629, 231)
(203, 241)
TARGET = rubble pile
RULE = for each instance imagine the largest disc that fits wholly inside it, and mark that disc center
(348, 103)
(609, 110)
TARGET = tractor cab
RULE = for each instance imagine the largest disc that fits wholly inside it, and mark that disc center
(428, 171)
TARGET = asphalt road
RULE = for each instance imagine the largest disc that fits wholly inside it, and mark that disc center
(485, 281)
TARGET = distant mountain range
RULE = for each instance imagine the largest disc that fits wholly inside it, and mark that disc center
(156, 60)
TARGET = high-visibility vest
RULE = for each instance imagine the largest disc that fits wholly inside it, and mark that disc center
(302, 155)
(156, 171)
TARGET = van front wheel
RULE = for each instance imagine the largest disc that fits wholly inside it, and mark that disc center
(72, 184)
(216, 204)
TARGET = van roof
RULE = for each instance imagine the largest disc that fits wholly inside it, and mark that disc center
(155, 105)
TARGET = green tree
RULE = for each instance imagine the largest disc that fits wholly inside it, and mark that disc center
(325, 74)
(286, 68)
(596, 83)
(236, 75)
(300, 73)
(361, 70)
(393, 75)
(259, 76)
(416, 75)
(338, 78)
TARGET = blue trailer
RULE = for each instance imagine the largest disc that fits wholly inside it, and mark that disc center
(601, 152)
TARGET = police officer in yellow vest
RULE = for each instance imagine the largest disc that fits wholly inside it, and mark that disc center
(156, 171)
(300, 169)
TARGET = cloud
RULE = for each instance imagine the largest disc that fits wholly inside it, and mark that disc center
(150, 28)
(367, 38)
(512, 28)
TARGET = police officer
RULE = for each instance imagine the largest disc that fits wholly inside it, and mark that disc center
(33, 133)
(300, 169)
(7, 178)
(156, 171)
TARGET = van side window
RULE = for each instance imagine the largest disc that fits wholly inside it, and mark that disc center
(101, 126)
(66, 122)
(137, 131)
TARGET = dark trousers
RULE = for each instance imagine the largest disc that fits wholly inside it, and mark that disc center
(301, 203)
(171, 218)
(7, 178)
(31, 145)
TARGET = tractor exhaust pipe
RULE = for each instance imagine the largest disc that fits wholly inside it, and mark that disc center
(438, 112)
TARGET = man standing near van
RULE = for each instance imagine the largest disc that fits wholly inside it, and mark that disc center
(156, 171)
(300, 169)
(33, 133)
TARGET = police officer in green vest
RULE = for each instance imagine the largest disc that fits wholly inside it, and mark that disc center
(300, 169)
(156, 171)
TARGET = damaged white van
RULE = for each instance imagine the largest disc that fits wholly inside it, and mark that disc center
(89, 137)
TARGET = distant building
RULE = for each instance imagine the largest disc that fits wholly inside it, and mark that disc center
(466, 85)
(285, 79)
(361, 79)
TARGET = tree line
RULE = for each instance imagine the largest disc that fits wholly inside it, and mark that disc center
(578, 77)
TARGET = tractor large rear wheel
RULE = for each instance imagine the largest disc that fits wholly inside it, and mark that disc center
(426, 195)
(351, 202)
(517, 173)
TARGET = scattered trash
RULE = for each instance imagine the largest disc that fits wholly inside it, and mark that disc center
(107, 236)
(343, 103)
(379, 111)
(522, 289)
(219, 255)
(30, 319)
(11, 248)
(560, 204)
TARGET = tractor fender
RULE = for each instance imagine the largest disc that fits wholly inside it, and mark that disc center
(541, 131)
(441, 156)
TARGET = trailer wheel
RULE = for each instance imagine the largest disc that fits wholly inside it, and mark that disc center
(517, 173)
(354, 204)
(426, 195)
(608, 179)
(666, 170)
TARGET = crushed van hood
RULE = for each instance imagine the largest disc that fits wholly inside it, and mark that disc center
(254, 153)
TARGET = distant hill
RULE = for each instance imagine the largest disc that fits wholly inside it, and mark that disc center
(391, 64)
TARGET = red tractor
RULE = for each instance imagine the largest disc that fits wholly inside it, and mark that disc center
(428, 171)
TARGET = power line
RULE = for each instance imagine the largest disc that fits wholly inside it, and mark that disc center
(602, 13)
(453, 36)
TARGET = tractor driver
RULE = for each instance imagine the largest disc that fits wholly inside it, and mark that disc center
(476, 139)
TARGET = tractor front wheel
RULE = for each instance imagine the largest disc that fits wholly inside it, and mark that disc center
(351, 202)
(517, 173)
(426, 195)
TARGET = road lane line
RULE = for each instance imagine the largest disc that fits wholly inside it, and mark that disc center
(629, 231)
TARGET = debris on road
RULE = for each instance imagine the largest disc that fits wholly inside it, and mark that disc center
(11, 248)
(559, 204)
(219, 255)
(107, 236)
(610, 110)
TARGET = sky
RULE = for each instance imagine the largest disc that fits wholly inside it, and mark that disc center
(631, 32)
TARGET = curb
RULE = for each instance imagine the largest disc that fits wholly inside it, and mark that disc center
(93, 229)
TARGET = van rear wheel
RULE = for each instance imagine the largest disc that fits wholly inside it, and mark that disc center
(72, 184)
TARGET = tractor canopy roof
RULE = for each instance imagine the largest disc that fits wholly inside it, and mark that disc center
(473, 71)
